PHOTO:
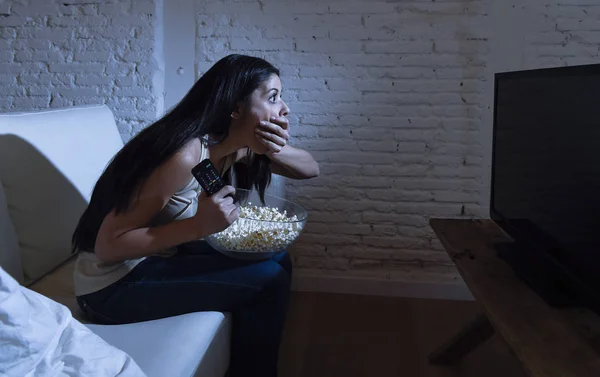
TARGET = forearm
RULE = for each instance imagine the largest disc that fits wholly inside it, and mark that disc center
(146, 241)
(298, 162)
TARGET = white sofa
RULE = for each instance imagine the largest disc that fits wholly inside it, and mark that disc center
(49, 163)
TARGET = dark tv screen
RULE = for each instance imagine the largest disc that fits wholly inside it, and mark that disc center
(546, 162)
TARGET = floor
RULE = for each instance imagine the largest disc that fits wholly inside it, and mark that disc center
(331, 335)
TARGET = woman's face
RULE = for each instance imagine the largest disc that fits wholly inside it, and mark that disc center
(265, 102)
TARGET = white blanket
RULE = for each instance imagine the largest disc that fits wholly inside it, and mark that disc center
(40, 338)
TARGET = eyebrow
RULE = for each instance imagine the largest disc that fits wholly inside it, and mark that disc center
(273, 89)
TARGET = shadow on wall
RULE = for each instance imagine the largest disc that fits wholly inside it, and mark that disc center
(43, 204)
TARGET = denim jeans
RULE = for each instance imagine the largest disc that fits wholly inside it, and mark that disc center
(199, 278)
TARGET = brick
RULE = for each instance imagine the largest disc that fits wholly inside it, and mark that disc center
(88, 21)
(77, 92)
(51, 56)
(244, 8)
(5, 9)
(396, 98)
(573, 50)
(36, 44)
(5, 103)
(7, 56)
(7, 34)
(403, 47)
(54, 34)
(462, 47)
(330, 20)
(132, 92)
(585, 37)
(13, 91)
(300, 31)
(313, 227)
(34, 10)
(92, 56)
(76, 68)
(261, 45)
(578, 24)
(321, 45)
(31, 102)
(113, 9)
(143, 7)
(7, 79)
(358, 7)
(370, 60)
(125, 81)
(303, 59)
(120, 69)
(90, 79)
(21, 67)
(12, 20)
(304, 84)
(43, 91)
(329, 96)
(136, 20)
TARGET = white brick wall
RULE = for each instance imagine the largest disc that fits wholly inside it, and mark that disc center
(565, 34)
(74, 52)
(389, 98)
(393, 98)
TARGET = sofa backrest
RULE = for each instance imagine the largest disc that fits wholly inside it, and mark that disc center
(49, 163)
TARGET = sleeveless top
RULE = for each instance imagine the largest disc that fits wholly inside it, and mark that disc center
(91, 275)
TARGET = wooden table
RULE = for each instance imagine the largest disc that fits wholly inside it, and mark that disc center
(548, 341)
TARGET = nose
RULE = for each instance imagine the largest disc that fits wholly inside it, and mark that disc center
(285, 110)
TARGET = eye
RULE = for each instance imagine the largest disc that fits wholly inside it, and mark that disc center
(273, 98)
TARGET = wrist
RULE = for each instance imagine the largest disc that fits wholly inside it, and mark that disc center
(193, 229)
(275, 156)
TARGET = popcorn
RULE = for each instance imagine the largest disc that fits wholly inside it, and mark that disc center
(259, 229)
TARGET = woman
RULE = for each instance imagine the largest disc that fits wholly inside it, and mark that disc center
(139, 254)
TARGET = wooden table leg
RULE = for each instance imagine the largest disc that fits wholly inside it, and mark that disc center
(475, 333)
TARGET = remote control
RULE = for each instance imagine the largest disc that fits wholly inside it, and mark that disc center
(208, 177)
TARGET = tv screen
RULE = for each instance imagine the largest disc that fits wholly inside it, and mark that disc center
(546, 163)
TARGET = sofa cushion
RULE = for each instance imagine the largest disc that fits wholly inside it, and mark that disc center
(194, 344)
(10, 256)
(49, 163)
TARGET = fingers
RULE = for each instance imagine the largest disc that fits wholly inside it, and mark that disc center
(222, 193)
(275, 129)
(271, 145)
(234, 214)
(227, 201)
(272, 137)
(281, 121)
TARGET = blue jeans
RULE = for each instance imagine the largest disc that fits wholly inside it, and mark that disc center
(199, 278)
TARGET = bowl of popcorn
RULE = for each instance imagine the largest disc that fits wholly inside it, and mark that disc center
(262, 229)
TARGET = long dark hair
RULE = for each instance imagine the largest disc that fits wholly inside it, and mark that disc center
(205, 110)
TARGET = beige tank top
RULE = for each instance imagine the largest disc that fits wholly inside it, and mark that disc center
(91, 275)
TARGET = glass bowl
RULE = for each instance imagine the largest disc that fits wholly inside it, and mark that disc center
(262, 230)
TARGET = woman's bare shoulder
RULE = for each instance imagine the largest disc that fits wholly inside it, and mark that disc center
(176, 172)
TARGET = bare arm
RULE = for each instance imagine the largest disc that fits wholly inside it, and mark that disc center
(294, 163)
(126, 236)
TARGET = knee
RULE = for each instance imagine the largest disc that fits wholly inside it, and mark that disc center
(278, 278)
(285, 261)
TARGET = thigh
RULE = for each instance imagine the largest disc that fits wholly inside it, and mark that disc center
(190, 281)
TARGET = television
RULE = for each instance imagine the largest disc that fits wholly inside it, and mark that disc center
(545, 182)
